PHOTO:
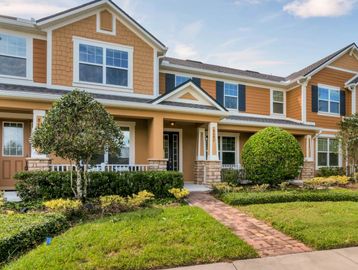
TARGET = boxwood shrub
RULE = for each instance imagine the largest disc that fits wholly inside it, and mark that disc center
(246, 198)
(15, 240)
(272, 156)
(54, 185)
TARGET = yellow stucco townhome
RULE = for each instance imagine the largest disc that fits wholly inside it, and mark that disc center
(176, 114)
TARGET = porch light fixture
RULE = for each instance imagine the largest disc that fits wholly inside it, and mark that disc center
(172, 124)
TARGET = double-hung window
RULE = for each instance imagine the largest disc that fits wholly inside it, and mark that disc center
(104, 64)
(181, 79)
(278, 102)
(231, 96)
(227, 150)
(327, 152)
(13, 55)
(13, 139)
(328, 100)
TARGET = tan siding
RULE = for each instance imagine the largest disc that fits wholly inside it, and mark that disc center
(346, 62)
(39, 60)
(209, 86)
(162, 83)
(62, 58)
(106, 20)
(333, 78)
(257, 100)
(356, 100)
(293, 103)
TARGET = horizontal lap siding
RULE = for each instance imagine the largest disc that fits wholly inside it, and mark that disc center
(62, 57)
(39, 60)
(346, 62)
(293, 103)
(162, 83)
(209, 86)
(257, 100)
(333, 78)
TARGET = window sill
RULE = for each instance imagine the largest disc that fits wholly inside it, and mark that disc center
(329, 114)
(15, 77)
(279, 115)
(96, 86)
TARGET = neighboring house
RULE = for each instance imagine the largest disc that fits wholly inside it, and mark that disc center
(176, 114)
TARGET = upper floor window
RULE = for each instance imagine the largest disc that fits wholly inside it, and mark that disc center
(278, 102)
(328, 100)
(104, 64)
(181, 79)
(231, 96)
(13, 55)
(327, 152)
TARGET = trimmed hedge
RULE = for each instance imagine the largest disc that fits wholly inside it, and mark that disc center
(12, 245)
(55, 185)
(272, 156)
(246, 198)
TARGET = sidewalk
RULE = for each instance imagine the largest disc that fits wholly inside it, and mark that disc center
(338, 259)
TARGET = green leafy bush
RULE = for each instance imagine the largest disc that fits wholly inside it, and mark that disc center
(224, 187)
(2, 199)
(246, 198)
(272, 156)
(179, 193)
(70, 208)
(330, 171)
(55, 185)
(113, 204)
(21, 232)
(325, 182)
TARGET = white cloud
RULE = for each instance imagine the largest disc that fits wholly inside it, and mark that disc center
(185, 51)
(319, 8)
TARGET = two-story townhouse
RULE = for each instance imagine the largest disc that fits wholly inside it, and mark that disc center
(175, 114)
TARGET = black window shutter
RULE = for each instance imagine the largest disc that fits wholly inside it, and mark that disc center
(220, 92)
(343, 103)
(242, 97)
(314, 90)
(197, 81)
(169, 82)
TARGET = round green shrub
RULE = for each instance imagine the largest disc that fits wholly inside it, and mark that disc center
(272, 156)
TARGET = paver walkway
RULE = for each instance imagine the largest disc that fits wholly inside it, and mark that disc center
(266, 240)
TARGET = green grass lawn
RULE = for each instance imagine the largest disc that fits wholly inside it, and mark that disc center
(321, 225)
(145, 239)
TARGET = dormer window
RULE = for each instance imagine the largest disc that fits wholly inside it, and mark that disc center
(13, 56)
(103, 64)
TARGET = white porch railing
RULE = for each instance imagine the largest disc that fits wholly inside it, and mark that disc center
(103, 167)
(231, 166)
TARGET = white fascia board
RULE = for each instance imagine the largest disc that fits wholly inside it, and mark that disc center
(257, 124)
(116, 103)
(222, 74)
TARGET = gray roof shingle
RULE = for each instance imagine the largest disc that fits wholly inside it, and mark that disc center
(242, 118)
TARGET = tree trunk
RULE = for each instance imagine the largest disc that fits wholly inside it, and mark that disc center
(79, 188)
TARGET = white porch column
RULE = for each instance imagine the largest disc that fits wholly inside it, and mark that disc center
(309, 148)
(354, 100)
(213, 153)
(37, 120)
(201, 145)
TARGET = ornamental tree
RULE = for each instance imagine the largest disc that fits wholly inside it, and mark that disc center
(348, 137)
(272, 156)
(78, 128)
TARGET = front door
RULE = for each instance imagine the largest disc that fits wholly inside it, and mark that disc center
(171, 150)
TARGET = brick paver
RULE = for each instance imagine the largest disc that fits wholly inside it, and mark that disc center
(266, 240)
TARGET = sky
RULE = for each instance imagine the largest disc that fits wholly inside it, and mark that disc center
(269, 36)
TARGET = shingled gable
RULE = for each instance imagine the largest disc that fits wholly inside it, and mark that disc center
(73, 13)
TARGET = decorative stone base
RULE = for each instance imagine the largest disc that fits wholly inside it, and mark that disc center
(157, 164)
(207, 172)
(38, 164)
(308, 170)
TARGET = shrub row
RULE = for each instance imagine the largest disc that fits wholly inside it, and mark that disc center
(246, 198)
(27, 238)
(54, 185)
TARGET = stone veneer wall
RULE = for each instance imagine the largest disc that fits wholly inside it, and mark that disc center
(207, 171)
(157, 164)
(308, 170)
(38, 164)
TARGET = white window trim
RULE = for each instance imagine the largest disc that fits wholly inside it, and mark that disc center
(23, 138)
(98, 23)
(329, 113)
(76, 82)
(237, 97)
(178, 75)
(180, 131)
(237, 145)
(339, 151)
(29, 55)
(272, 101)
